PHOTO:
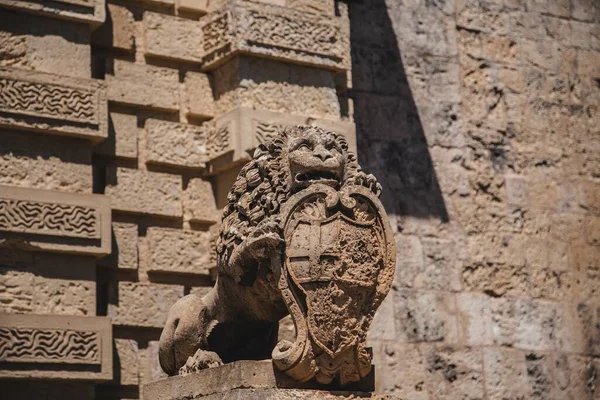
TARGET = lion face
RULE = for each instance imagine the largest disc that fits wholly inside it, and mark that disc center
(315, 156)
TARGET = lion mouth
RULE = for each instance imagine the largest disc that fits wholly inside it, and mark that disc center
(325, 177)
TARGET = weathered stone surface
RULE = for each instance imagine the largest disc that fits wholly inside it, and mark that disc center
(123, 136)
(143, 305)
(47, 389)
(124, 247)
(454, 374)
(313, 6)
(127, 359)
(400, 371)
(172, 37)
(144, 192)
(53, 104)
(197, 95)
(176, 251)
(143, 85)
(70, 342)
(74, 223)
(44, 283)
(200, 6)
(89, 11)
(233, 137)
(171, 143)
(199, 204)
(274, 32)
(118, 30)
(506, 373)
(425, 316)
(274, 86)
(44, 45)
(150, 370)
(41, 162)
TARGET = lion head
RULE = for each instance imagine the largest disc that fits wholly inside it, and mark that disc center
(291, 161)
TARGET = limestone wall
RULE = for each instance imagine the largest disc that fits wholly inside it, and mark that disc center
(123, 124)
(481, 119)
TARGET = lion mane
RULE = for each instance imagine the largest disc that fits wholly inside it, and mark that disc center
(263, 186)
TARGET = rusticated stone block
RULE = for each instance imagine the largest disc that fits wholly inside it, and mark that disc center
(143, 85)
(172, 37)
(125, 247)
(127, 360)
(88, 11)
(176, 251)
(45, 45)
(197, 96)
(199, 203)
(118, 31)
(171, 143)
(55, 221)
(74, 347)
(474, 319)
(42, 162)
(150, 369)
(425, 316)
(143, 305)
(46, 283)
(270, 85)
(53, 104)
(400, 370)
(274, 32)
(144, 192)
(122, 136)
(233, 137)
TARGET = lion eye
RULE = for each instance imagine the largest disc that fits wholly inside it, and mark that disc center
(303, 146)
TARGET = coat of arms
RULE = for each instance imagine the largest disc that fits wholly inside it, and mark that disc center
(338, 267)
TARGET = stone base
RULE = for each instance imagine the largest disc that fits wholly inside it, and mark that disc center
(251, 380)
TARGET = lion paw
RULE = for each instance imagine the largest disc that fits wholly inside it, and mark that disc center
(369, 181)
(202, 359)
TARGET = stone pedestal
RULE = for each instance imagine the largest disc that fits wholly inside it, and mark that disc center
(251, 380)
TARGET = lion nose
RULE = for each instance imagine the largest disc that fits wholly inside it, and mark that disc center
(321, 153)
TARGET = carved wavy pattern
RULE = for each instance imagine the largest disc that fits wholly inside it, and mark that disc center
(217, 140)
(265, 131)
(298, 35)
(47, 100)
(49, 345)
(48, 218)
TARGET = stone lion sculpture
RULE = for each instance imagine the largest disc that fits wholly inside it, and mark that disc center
(238, 319)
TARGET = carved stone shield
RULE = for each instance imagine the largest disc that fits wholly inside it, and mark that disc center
(338, 267)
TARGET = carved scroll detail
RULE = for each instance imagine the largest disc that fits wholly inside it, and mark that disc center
(49, 346)
(48, 218)
(43, 99)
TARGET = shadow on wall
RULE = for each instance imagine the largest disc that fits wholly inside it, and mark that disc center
(391, 141)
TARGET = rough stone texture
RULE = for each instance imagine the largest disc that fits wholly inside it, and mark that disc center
(127, 356)
(172, 37)
(123, 133)
(269, 85)
(91, 12)
(143, 85)
(170, 143)
(197, 96)
(199, 202)
(41, 283)
(42, 162)
(125, 247)
(45, 45)
(142, 305)
(118, 30)
(176, 251)
(144, 192)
